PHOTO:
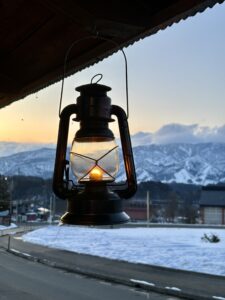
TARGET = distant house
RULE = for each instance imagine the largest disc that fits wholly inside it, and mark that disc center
(212, 205)
(136, 210)
(31, 216)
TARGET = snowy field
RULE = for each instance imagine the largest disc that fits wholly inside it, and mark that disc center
(179, 248)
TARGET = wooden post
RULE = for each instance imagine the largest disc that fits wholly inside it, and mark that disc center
(147, 208)
(9, 240)
(223, 216)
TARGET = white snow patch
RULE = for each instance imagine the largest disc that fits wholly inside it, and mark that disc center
(14, 250)
(26, 254)
(172, 288)
(8, 227)
(218, 297)
(142, 282)
(182, 176)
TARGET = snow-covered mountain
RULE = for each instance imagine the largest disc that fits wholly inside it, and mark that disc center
(9, 148)
(184, 163)
(202, 163)
(31, 163)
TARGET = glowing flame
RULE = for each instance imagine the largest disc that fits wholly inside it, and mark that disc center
(96, 174)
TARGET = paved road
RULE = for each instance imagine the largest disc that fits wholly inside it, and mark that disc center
(190, 284)
(22, 279)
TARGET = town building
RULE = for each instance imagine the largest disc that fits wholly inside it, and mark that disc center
(212, 205)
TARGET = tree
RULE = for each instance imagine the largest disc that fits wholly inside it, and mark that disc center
(4, 194)
(172, 207)
(190, 213)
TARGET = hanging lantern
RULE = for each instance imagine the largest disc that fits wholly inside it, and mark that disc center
(96, 199)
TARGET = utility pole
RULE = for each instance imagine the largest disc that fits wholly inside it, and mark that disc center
(52, 208)
(11, 199)
(148, 208)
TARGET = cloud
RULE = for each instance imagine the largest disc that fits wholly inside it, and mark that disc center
(179, 133)
(141, 138)
(175, 133)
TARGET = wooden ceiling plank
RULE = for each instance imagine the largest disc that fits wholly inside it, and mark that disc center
(72, 11)
(30, 34)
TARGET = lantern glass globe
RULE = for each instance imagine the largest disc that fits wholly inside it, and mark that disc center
(94, 159)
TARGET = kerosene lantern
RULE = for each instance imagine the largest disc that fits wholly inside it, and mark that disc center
(96, 199)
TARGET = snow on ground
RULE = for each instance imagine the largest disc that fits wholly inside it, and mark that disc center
(180, 248)
(7, 227)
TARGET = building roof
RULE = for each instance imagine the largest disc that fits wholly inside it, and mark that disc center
(36, 34)
(213, 196)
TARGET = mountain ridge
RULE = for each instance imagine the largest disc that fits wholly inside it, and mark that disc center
(201, 163)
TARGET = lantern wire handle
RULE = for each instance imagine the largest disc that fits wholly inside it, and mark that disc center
(97, 36)
(100, 75)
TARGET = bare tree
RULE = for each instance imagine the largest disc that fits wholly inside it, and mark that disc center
(172, 207)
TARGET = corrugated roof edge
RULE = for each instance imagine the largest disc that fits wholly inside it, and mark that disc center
(181, 17)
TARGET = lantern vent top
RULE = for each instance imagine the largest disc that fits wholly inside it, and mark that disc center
(93, 89)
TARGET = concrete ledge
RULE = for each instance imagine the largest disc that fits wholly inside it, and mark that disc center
(168, 225)
(14, 230)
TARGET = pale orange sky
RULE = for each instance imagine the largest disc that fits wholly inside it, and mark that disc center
(175, 76)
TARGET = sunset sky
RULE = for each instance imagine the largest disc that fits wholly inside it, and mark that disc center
(175, 76)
